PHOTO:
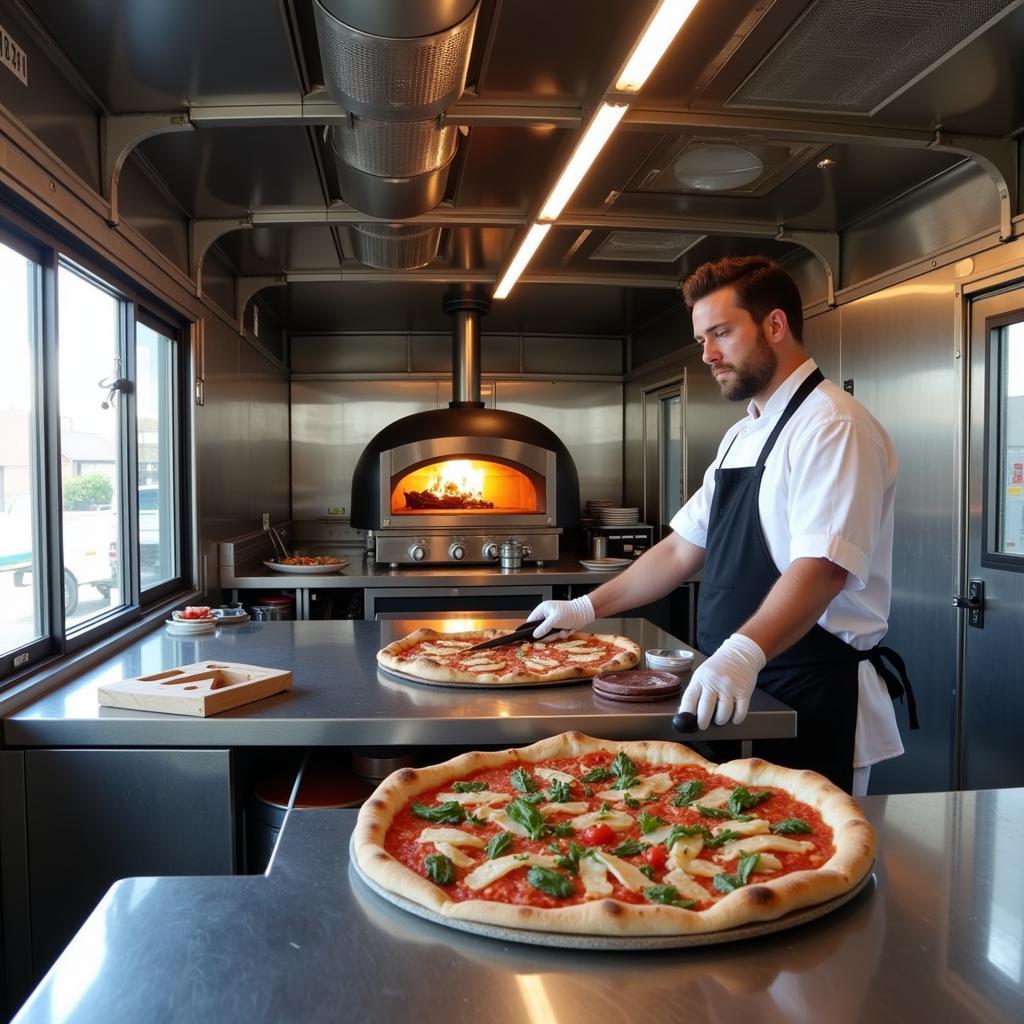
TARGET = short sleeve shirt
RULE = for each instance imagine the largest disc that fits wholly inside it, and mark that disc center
(827, 492)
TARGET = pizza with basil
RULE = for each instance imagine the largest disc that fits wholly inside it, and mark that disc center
(588, 836)
(447, 658)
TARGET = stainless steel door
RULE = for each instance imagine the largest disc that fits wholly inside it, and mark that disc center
(993, 622)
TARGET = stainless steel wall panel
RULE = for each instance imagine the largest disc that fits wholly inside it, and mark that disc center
(148, 209)
(586, 415)
(500, 353)
(957, 206)
(331, 422)
(574, 355)
(632, 444)
(431, 353)
(347, 353)
(219, 281)
(898, 347)
(821, 339)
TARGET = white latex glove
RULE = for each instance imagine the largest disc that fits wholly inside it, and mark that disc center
(562, 615)
(722, 685)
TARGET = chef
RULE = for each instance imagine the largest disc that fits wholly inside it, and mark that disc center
(793, 528)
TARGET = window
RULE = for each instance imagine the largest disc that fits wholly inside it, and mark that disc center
(1009, 446)
(23, 611)
(671, 434)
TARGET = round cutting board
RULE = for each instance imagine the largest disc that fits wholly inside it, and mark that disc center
(637, 685)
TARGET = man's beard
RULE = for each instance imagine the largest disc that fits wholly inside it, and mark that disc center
(753, 375)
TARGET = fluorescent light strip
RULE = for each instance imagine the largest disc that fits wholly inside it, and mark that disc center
(526, 250)
(598, 131)
(651, 46)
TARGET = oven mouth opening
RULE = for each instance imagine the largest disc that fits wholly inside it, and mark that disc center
(467, 485)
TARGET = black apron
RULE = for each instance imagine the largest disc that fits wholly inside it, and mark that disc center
(817, 676)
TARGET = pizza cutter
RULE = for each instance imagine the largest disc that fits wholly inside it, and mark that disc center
(518, 635)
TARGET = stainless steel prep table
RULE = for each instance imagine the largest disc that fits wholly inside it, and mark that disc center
(341, 698)
(937, 938)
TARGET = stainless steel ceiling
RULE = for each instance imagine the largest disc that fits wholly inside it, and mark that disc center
(186, 56)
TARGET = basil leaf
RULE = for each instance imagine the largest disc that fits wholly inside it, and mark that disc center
(469, 787)
(649, 822)
(529, 817)
(741, 799)
(630, 848)
(712, 812)
(532, 798)
(723, 837)
(630, 802)
(588, 791)
(561, 829)
(679, 831)
(625, 781)
(622, 767)
(668, 895)
(550, 882)
(475, 819)
(448, 813)
(498, 845)
(440, 869)
(646, 869)
(730, 883)
(596, 775)
(559, 792)
(687, 793)
(520, 778)
(790, 827)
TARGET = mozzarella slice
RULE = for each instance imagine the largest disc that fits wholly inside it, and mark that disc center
(573, 656)
(537, 666)
(454, 836)
(659, 835)
(631, 877)
(660, 783)
(454, 854)
(503, 821)
(684, 850)
(568, 645)
(615, 820)
(704, 868)
(491, 870)
(716, 798)
(743, 828)
(688, 888)
(552, 773)
(488, 666)
(761, 844)
(454, 643)
(594, 876)
(768, 862)
(573, 807)
(485, 796)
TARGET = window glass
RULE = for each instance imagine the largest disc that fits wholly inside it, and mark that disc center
(89, 343)
(154, 358)
(1010, 446)
(22, 597)
(671, 457)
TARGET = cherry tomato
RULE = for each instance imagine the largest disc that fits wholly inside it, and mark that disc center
(656, 855)
(597, 835)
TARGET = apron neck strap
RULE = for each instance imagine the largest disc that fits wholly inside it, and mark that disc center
(806, 387)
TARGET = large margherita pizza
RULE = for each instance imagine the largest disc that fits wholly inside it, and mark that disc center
(575, 834)
(446, 658)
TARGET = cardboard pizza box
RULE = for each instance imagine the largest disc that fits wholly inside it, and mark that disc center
(203, 688)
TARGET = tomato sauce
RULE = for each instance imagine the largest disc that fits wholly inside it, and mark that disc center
(514, 888)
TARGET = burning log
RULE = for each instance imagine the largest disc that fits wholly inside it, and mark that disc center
(429, 500)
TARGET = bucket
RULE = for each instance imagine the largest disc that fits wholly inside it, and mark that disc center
(273, 608)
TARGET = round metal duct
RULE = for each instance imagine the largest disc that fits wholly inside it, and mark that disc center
(393, 170)
(395, 246)
(395, 61)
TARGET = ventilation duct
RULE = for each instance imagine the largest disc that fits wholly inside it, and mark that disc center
(395, 246)
(394, 66)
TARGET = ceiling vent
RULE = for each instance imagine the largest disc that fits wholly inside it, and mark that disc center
(645, 246)
(855, 56)
(394, 66)
(395, 246)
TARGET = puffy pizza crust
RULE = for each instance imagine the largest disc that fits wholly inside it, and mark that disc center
(393, 657)
(854, 841)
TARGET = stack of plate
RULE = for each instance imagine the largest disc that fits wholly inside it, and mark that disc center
(592, 507)
(614, 516)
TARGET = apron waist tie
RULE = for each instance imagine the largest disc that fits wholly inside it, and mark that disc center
(896, 682)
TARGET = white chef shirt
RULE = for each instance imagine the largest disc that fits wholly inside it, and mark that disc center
(827, 492)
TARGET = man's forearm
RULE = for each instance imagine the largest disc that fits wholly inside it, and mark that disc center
(654, 574)
(794, 604)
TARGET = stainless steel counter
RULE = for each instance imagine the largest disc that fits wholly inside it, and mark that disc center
(341, 698)
(938, 937)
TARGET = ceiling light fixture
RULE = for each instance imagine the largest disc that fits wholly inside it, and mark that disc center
(717, 167)
(657, 37)
(527, 248)
(826, 163)
(586, 152)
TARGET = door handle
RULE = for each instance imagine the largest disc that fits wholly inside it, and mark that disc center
(974, 602)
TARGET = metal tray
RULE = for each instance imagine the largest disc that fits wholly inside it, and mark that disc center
(565, 940)
(406, 678)
(306, 570)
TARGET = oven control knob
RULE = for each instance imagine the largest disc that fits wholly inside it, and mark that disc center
(457, 552)
(491, 551)
(417, 552)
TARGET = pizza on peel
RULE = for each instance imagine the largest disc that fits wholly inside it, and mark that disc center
(588, 836)
(445, 657)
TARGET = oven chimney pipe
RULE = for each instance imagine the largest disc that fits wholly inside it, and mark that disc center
(466, 304)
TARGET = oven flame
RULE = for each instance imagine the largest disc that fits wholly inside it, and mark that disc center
(458, 478)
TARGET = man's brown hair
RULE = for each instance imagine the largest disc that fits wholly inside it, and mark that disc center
(761, 285)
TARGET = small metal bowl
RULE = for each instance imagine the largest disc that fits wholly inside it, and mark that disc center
(675, 660)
